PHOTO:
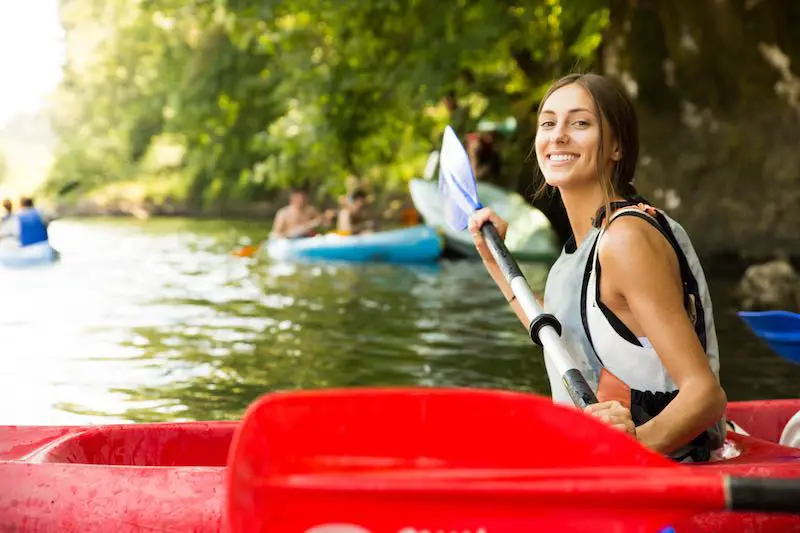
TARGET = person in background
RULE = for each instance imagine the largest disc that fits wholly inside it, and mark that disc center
(485, 159)
(28, 226)
(9, 208)
(298, 219)
(353, 216)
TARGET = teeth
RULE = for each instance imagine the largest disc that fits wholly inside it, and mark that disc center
(562, 157)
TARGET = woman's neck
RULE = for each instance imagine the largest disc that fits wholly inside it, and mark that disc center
(582, 206)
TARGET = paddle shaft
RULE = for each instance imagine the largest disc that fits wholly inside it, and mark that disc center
(763, 494)
(670, 484)
(544, 328)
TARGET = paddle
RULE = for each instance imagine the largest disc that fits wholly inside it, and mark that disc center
(780, 330)
(247, 251)
(298, 232)
(465, 459)
(458, 188)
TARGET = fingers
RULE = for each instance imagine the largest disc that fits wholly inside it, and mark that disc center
(603, 406)
(478, 219)
(614, 414)
(482, 216)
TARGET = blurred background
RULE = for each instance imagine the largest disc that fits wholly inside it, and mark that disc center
(161, 136)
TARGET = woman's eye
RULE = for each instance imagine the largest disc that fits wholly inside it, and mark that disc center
(581, 123)
(547, 124)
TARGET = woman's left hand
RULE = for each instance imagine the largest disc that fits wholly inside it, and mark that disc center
(614, 414)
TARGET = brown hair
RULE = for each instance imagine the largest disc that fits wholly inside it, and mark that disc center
(616, 109)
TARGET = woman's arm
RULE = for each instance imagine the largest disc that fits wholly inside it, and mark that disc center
(640, 266)
(476, 221)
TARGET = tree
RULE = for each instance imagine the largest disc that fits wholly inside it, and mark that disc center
(260, 95)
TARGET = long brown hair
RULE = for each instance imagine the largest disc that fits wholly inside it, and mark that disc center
(614, 107)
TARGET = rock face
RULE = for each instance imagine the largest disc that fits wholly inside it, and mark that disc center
(717, 88)
(772, 285)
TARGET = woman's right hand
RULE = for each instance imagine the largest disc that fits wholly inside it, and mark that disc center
(478, 219)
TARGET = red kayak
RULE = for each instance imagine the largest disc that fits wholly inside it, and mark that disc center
(172, 477)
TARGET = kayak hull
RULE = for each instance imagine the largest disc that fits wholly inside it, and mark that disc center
(124, 478)
(171, 477)
(530, 236)
(417, 244)
(39, 254)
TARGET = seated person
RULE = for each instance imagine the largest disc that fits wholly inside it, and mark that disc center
(485, 158)
(353, 217)
(298, 219)
(8, 206)
(28, 226)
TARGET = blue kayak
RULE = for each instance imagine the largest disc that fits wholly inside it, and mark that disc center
(416, 244)
(28, 256)
(779, 329)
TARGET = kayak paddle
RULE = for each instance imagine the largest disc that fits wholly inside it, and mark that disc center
(450, 459)
(780, 330)
(246, 251)
(459, 190)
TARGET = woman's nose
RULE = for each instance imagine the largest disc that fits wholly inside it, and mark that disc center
(558, 134)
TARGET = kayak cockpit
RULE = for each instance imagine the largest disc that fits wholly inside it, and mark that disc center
(170, 445)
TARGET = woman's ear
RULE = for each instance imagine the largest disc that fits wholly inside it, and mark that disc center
(616, 152)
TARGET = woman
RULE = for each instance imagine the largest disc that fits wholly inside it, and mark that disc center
(628, 289)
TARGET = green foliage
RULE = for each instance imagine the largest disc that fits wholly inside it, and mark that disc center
(264, 94)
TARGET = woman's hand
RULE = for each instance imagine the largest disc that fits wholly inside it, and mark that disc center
(478, 219)
(614, 414)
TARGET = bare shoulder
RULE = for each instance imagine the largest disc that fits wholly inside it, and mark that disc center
(634, 247)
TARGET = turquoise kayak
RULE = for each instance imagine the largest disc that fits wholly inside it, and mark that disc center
(416, 244)
(28, 256)
(530, 235)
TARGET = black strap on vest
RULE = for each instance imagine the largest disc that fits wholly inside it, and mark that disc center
(645, 405)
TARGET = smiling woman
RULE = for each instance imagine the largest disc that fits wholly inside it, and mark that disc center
(643, 331)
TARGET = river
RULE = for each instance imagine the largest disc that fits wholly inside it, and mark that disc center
(157, 321)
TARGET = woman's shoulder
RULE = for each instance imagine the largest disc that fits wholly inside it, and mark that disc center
(633, 232)
(636, 246)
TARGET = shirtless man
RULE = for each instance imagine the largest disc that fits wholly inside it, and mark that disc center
(298, 219)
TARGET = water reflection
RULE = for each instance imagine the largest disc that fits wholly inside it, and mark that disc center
(158, 321)
(307, 326)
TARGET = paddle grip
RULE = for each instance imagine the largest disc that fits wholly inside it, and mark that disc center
(508, 265)
(764, 494)
(578, 388)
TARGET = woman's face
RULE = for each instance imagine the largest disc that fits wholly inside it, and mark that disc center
(568, 139)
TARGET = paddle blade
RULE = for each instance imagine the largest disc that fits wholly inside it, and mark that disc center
(352, 431)
(456, 182)
(780, 330)
(246, 251)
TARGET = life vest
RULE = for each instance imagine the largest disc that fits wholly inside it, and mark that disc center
(32, 229)
(601, 342)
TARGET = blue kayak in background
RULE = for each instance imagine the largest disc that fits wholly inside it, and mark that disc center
(33, 255)
(416, 244)
(779, 329)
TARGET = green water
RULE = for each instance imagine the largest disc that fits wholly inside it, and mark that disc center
(156, 321)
